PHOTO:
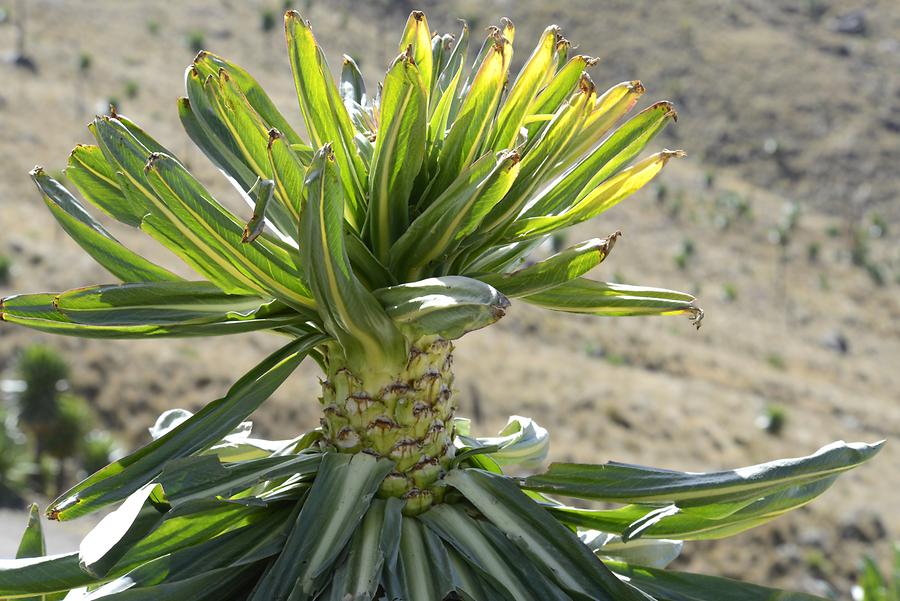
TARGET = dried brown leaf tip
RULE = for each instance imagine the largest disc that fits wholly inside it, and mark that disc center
(274, 134)
(696, 316)
(586, 84)
(672, 154)
(151, 161)
(610, 241)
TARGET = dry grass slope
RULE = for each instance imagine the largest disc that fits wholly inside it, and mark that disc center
(776, 107)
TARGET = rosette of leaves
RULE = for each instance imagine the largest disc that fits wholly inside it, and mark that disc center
(407, 218)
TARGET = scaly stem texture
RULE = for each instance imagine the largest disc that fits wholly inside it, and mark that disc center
(409, 420)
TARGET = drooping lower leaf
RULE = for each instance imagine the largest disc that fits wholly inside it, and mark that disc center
(120, 478)
(624, 483)
(548, 544)
(337, 502)
(670, 585)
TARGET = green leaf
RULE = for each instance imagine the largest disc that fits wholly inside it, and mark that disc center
(201, 120)
(93, 237)
(541, 153)
(557, 90)
(210, 135)
(553, 271)
(607, 110)
(250, 135)
(637, 484)
(326, 118)
(248, 132)
(449, 306)
(39, 575)
(188, 205)
(602, 298)
(480, 552)
(472, 123)
(712, 521)
(438, 232)
(541, 585)
(32, 542)
(423, 570)
(212, 585)
(603, 197)
(562, 56)
(190, 525)
(437, 124)
(605, 161)
(440, 51)
(370, 271)
(120, 478)
(234, 548)
(468, 582)
(668, 585)
(350, 311)
(204, 476)
(417, 37)
(130, 157)
(337, 502)
(357, 578)
(141, 310)
(288, 171)
(642, 552)
(521, 442)
(154, 302)
(399, 150)
(210, 64)
(549, 545)
(92, 174)
(142, 137)
(452, 67)
(526, 87)
(263, 190)
(119, 530)
(225, 159)
(353, 86)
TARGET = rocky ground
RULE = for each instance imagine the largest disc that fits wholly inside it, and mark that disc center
(788, 107)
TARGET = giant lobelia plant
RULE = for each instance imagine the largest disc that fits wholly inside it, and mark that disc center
(409, 218)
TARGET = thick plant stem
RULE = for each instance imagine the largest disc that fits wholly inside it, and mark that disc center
(409, 420)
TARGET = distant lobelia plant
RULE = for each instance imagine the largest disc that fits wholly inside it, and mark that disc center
(44, 373)
(408, 219)
(57, 421)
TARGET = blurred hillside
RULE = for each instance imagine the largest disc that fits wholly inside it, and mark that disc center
(783, 220)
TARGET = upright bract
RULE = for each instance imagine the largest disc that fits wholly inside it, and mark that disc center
(410, 218)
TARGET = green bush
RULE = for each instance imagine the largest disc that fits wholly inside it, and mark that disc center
(872, 585)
